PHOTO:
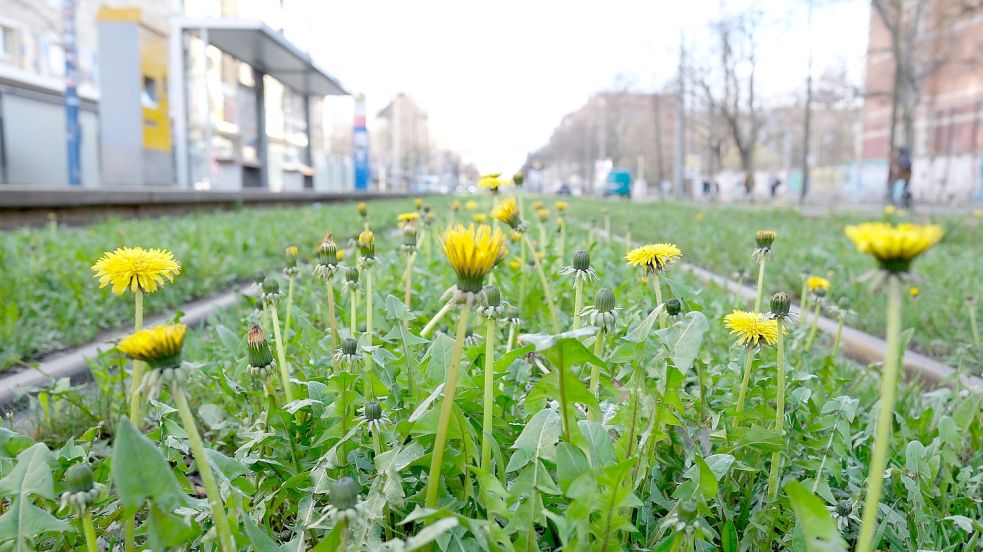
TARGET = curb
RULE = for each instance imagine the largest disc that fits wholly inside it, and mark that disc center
(73, 363)
(855, 344)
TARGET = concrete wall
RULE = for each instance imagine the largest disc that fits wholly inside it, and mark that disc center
(34, 150)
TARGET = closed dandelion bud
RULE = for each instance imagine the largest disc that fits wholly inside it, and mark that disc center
(844, 508)
(456, 205)
(366, 244)
(271, 290)
(418, 203)
(604, 300)
(493, 296)
(78, 478)
(409, 238)
(327, 253)
(291, 253)
(351, 275)
(673, 307)
(373, 411)
(349, 346)
(764, 238)
(260, 355)
(781, 303)
(344, 493)
(518, 178)
(363, 211)
(581, 260)
(82, 490)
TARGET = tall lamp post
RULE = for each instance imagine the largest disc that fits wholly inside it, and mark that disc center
(73, 132)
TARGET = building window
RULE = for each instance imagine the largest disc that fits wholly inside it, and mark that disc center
(8, 43)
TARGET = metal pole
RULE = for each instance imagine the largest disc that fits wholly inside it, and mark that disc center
(208, 107)
(178, 97)
(73, 131)
(259, 91)
(681, 122)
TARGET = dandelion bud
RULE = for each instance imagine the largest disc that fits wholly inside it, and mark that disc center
(493, 296)
(780, 304)
(291, 253)
(673, 307)
(260, 355)
(581, 260)
(456, 205)
(373, 411)
(327, 252)
(604, 300)
(844, 508)
(363, 211)
(409, 237)
(351, 275)
(764, 238)
(518, 178)
(366, 244)
(418, 203)
(349, 346)
(271, 286)
(78, 478)
(344, 493)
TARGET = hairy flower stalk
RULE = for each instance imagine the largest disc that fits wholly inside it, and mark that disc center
(351, 286)
(140, 271)
(603, 316)
(971, 312)
(366, 246)
(160, 348)
(547, 291)
(894, 248)
(291, 271)
(472, 253)
(780, 312)
(819, 287)
(491, 311)
(607, 225)
(409, 247)
(764, 240)
(271, 296)
(751, 329)
(81, 491)
(654, 259)
(580, 271)
(326, 268)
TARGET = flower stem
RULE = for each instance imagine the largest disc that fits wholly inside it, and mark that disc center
(489, 399)
(368, 304)
(839, 333)
(546, 289)
(814, 328)
(290, 305)
(90, 532)
(971, 307)
(408, 276)
(129, 532)
(281, 355)
(437, 317)
(446, 406)
(343, 538)
(563, 241)
(522, 270)
(511, 339)
(822, 464)
(578, 300)
(776, 457)
(885, 413)
(332, 320)
(748, 363)
(761, 284)
(219, 518)
(607, 228)
(137, 374)
(595, 370)
(353, 313)
(657, 284)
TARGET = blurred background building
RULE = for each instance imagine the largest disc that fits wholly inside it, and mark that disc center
(210, 94)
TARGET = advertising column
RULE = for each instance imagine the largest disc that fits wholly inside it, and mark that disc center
(360, 146)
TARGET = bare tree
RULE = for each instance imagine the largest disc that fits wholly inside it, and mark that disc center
(729, 88)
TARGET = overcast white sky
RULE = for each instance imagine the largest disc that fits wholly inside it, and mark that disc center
(496, 77)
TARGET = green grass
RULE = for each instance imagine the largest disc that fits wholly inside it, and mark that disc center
(721, 238)
(660, 459)
(49, 299)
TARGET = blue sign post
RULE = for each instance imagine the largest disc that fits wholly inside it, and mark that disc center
(73, 132)
(360, 146)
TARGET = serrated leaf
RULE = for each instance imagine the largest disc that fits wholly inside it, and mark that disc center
(818, 527)
(537, 440)
(23, 521)
(642, 331)
(684, 339)
(141, 472)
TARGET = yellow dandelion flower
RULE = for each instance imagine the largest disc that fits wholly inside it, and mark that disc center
(363, 210)
(493, 182)
(480, 218)
(418, 203)
(560, 206)
(654, 257)
(914, 292)
(472, 253)
(471, 205)
(751, 328)
(456, 205)
(515, 264)
(978, 213)
(408, 218)
(291, 251)
(159, 346)
(515, 236)
(817, 283)
(902, 213)
(366, 243)
(890, 210)
(543, 214)
(136, 269)
(894, 246)
(507, 211)
(537, 205)
(340, 255)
